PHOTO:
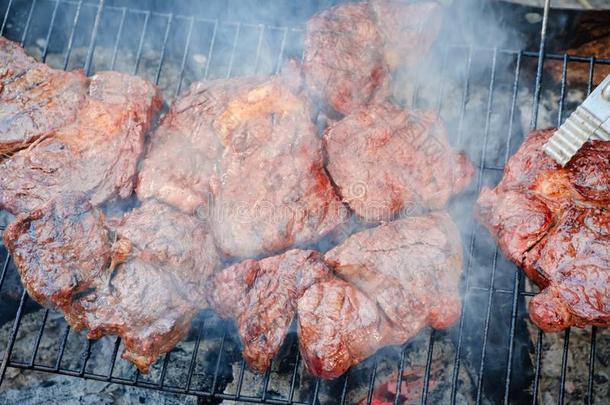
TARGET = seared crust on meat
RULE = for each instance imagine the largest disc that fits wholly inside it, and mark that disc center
(553, 222)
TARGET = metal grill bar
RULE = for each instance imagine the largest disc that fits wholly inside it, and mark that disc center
(168, 27)
(72, 33)
(540, 66)
(115, 351)
(118, 38)
(11, 340)
(194, 356)
(232, 58)
(478, 182)
(91, 49)
(185, 54)
(538, 367)
(220, 351)
(591, 366)
(141, 43)
(344, 389)
(49, 32)
(466, 91)
(495, 259)
(62, 348)
(258, 48)
(294, 376)
(513, 320)
(28, 21)
(424, 396)
(39, 337)
(564, 365)
(8, 10)
(4, 268)
(85, 355)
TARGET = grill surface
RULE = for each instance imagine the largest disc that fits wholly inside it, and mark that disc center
(494, 354)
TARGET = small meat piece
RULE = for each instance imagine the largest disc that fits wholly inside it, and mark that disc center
(143, 305)
(59, 249)
(518, 220)
(410, 267)
(163, 261)
(270, 189)
(553, 223)
(262, 297)
(343, 57)
(394, 280)
(159, 233)
(186, 138)
(385, 160)
(338, 326)
(572, 262)
(34, 99)
(408, 30)
(96, 154)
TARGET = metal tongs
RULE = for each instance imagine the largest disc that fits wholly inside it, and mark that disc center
(590, 121)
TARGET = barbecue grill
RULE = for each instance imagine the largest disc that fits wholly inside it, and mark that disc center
(490, 95)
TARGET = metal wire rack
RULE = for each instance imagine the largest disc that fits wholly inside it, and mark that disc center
(495, 354)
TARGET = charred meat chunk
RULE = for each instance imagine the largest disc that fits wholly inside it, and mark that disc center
(338, 326)
(34, 99)
(351, 49)
(60, 249)
(343, 57)
(184, 149)
(95, 154)
(393, 281)
(180, 244)
(387, 160)
(572, 264)
(262, 298)
(141, 277)
(553, 222)
(245, 155)
(410, 267)
(270, 189)
(141, 304)
(163, 260)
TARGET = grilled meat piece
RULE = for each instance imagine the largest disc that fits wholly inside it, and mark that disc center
(262, 297)
(142, 305)
(572, 261)
(343, 57)
(141, 276)
(59, 249)
(225, 131)
(553, 223)
(338, 327)
(180, 244)
(186, 138)
(386, 160)
(270, 189)
(34, 99)
(163, 261)
(96, 154)
(407, 29)
(394, 280)
(410, 267)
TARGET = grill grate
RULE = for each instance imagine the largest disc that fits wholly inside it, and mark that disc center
(485, 344)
